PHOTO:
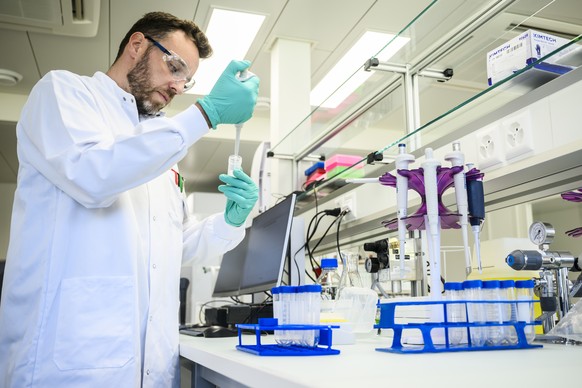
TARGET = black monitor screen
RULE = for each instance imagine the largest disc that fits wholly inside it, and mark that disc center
(233, 261)
(256, 264)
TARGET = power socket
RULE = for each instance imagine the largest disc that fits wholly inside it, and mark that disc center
(347, 202)
(489, 146)
(517, 133)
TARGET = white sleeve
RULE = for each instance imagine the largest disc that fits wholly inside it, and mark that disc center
(209, 238)
(64, 135)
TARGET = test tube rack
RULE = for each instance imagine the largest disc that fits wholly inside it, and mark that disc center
(271, 324)
(387, 321)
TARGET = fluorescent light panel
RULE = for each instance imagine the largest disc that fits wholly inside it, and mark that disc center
(366, 47)
(230, 34)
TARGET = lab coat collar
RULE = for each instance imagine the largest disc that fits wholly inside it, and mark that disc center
(122, 94)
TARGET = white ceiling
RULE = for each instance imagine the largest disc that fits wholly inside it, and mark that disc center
(332, 26)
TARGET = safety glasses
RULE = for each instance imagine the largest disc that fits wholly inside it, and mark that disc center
(177, 66)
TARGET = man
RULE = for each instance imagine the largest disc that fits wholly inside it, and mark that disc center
(99, 228)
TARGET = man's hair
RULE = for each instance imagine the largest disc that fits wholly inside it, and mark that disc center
(159, 24)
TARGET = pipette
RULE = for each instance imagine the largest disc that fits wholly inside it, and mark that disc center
(430, 166)
(432, 225)
(476, 199)
(458, 159)
(235, 161)
(363, 180)
(402, 161)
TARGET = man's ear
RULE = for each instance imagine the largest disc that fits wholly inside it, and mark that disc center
(136, 45)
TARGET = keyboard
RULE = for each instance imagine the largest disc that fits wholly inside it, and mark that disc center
(194, 331)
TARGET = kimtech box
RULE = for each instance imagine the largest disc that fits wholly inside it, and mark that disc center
(521, 51)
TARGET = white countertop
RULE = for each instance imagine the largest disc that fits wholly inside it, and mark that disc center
(361, 365)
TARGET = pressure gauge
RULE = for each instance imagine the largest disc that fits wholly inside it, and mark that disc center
(541, 233)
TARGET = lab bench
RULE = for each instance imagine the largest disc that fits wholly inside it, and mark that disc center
(209, 362)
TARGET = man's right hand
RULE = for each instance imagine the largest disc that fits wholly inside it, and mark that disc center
(231, 101)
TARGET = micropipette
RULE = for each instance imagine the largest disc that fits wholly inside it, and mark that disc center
(432, 225)
(458, 159)
(235, 161)
(363, 180)
(402, 161)
(430, 166)
(476, 199)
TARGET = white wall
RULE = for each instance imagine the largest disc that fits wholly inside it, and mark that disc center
(6, 199)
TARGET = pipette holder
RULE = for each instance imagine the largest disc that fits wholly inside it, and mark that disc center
(271, 324)
(387, 321)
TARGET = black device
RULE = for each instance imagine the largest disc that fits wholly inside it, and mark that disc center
(382, 260)
(257, 263)
(184, 283)
(213, 331)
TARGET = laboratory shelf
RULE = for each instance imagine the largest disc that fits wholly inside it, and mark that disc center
(435, 335)
(271, 324)
(409, 106)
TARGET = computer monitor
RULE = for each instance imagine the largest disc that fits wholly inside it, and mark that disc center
(231, 267)
(257, 263)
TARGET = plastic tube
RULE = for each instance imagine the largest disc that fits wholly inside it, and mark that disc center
(402, 161)
(457, 158)
(235, 160)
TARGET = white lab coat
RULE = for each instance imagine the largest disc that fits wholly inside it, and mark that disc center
(98, 233)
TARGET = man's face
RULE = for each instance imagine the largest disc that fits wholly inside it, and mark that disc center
(150, 80)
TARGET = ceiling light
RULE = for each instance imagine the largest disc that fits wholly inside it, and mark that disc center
(343, 78)
(230, 34)
(9, 77)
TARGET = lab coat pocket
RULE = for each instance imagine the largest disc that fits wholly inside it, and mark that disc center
(95, 323)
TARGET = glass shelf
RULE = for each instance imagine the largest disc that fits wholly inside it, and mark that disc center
(455, 34)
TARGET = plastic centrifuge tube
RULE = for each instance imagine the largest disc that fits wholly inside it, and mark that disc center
(235, 161)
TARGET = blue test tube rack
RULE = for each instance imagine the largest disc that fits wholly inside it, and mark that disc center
(387, 321)
(271, 324)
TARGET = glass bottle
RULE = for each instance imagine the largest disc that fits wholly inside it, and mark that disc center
(329, 279)
(354, 278)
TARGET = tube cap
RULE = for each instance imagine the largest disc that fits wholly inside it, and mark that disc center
(524, 284)
(456, 286)
(506, 284)
(472, 284)
(491, 284)
(287, 289)
(329, 263)
(310, 288)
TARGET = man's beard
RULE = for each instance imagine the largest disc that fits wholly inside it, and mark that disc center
(139, 85)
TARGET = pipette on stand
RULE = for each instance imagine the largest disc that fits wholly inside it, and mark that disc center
(432, 223)
(458, 159)
(476, 199)
(402, 161)
(432, 226)
(235, 161)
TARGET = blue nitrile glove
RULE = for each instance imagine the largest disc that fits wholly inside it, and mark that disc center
(231, 101)
(241, 193)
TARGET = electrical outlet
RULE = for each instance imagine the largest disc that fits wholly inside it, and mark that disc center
(347, 202)
(489, 147)
(517, 135)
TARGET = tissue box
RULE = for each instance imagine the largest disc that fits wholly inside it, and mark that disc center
(520, 52)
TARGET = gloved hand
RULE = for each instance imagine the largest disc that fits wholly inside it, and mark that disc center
(241, 193)
(231, 101)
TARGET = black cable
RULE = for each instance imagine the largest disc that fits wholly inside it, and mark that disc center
(337, 239)
(325, 233)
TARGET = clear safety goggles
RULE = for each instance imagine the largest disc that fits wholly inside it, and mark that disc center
(177, 66)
